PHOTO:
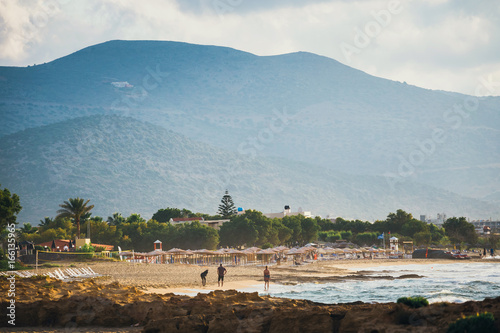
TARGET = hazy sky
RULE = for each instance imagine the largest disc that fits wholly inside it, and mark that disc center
(438, 44)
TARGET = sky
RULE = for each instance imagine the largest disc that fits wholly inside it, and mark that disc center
(451, 45)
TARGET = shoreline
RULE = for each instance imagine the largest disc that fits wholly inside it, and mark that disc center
(185, 278)
(88, 305)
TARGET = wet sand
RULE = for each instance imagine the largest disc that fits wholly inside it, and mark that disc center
(184, 278)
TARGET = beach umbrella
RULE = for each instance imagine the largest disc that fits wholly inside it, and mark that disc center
(266, 251)
(203, 251)
(175, 250)
(321, 251)
(329, 250)
(155, 253)
(252, 249)
(234, 251)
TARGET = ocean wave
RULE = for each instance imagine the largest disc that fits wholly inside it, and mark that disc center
(441, 283)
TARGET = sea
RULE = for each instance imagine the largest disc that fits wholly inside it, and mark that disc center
(454, 282)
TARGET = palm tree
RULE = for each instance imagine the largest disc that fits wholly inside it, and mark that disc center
(74, 209)
(116, 219)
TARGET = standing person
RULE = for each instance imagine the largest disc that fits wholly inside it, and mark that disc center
(492, 252)
(484, 252)
(204, 278)
(267, 277)
(221, 271)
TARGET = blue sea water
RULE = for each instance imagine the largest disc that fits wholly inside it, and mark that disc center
(457, 282)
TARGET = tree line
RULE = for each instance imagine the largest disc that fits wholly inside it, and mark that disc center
(250, 228)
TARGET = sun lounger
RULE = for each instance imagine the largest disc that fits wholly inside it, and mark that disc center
(52, 275)
(61, 274)
(91, 271)
(71, 272)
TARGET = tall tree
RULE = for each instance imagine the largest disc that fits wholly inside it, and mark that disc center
(9, 208)
(165, 214)
(226, 207)
(74, 208)
(459, 230)
(116, 219)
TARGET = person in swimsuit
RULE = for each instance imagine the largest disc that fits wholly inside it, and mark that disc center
(267, 277)
(221, 271)
(204, 278)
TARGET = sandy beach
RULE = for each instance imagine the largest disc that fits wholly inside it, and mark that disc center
(184, 278)
(129, 297)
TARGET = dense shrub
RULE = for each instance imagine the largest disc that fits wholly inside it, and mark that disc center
(414, 302)
(479, 323)
(86, 248)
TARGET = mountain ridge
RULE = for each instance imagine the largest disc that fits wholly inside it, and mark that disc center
(340, 118)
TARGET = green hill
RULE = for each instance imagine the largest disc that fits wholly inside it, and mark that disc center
(128, 166)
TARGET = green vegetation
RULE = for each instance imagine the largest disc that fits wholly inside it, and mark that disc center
(50, 265)
(479, 323)
(86, 248)
(226, 207)
(459, 230)
(251, 228)
(414, 302)
(9, 208)
(74, 209)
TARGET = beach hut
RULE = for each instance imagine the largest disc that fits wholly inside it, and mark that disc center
(394, 243)
(157, 245)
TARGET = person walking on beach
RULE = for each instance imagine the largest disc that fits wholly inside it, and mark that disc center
(204, 278)
(267, 277)
(221, 271)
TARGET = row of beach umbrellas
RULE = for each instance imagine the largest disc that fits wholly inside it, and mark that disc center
(255, 250)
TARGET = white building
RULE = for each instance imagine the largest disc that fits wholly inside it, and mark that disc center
(209, 223)
(287, 211)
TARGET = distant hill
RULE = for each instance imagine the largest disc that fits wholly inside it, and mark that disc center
(299, 106)
(124, 165)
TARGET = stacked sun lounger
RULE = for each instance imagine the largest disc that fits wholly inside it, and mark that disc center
(22, 274)
(67, 274)
(72, 273)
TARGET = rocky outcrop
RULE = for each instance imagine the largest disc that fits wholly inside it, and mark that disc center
(43, 302)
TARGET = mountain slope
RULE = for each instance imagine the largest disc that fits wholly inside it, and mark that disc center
(336, 116)
(128, 166)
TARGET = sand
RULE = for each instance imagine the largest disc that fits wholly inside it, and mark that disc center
(140, 297)
(184, 278)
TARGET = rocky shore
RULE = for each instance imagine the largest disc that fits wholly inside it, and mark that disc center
(48, 305)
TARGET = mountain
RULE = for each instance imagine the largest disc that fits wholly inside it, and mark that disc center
(300, 107)
(128, 166)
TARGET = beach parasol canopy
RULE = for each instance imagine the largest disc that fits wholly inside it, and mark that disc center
(252, 249)
(175, 251)
(155, 253)
(266, 251)
(204, 251)
(296, 251)
(234, 251)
